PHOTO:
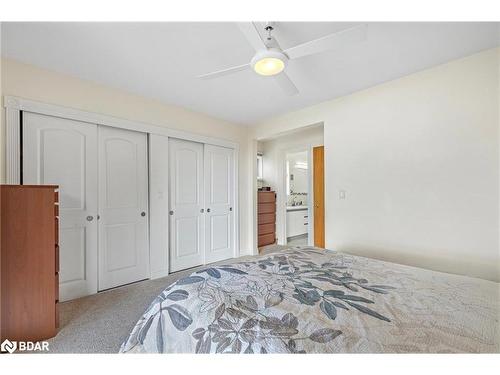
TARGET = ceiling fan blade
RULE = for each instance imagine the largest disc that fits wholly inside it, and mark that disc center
(250, 31)
(286, 84)
(224, 72)
(335, 40)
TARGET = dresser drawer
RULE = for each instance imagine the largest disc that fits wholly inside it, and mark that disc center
(266, 239)
(266, 208)
(57, 315)
(266, 197)
(57, 259)
(266, 228)
(57, 230)
(56, 286)
(266, 218)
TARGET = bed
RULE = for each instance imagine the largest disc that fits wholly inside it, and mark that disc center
(309, 300)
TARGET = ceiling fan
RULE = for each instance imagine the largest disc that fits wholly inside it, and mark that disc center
(271, 60)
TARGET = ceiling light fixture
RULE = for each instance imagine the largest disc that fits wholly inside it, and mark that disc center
(269, 62)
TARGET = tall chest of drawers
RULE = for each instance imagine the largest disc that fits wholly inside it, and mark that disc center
(266, 212)
(29, 262)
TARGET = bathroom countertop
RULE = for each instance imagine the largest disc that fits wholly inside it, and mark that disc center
(296, 208)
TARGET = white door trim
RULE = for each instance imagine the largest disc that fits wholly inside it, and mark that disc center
(13, 146)
(15, 105)
(281, 209)
(21, 104)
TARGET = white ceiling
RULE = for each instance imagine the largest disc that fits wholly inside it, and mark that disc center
(162, 60)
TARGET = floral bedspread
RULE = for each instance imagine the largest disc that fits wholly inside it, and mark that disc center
(308, 300)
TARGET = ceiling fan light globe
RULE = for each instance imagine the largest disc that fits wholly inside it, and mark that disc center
(269, 66)
(269, 62)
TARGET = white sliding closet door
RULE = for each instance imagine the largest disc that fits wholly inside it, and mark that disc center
(187, 230)
(219, 202)
(123, 207)
(64, 152)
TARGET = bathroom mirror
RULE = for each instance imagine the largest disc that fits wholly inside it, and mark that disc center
(297, 178)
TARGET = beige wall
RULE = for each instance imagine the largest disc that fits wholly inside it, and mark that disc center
(418, 158)
(34, 83)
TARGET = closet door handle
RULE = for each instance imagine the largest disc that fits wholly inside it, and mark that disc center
(143, 214)
(202, 210)
(208, 209)
(90, 218)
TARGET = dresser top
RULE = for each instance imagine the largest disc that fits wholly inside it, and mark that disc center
(31, 186)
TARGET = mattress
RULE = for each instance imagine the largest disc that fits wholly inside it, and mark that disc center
(310, 300)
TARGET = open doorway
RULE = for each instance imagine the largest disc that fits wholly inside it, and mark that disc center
(286, 202)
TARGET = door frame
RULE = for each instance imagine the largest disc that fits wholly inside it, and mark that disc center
(14, 106)
(282, 238)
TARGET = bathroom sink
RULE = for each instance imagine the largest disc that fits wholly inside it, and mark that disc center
(296, 208)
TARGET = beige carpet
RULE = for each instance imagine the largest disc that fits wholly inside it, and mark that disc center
(100, 323)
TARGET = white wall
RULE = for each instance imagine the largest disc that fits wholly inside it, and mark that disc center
(274, 160)
(419, 160)
(38, 84)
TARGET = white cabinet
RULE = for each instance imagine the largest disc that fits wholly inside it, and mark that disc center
(296, 222)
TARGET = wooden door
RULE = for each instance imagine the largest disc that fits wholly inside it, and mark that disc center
(319, 195)
(219, 203)
(187, 221)
(123, 207)
(64, 152)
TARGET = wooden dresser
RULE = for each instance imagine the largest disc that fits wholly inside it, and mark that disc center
(266, 217)
(29, 262)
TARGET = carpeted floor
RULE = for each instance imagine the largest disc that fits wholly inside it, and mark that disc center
(100, 323)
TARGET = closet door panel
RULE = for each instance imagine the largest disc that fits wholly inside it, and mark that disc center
(186, 204)
(123, 207)
(219, 200)
(64, 152)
